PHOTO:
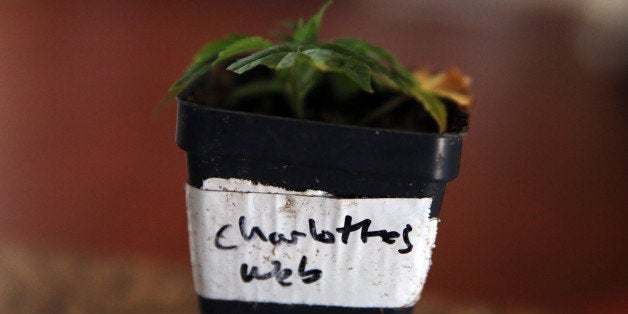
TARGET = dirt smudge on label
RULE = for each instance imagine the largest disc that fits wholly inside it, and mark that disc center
(288, 208)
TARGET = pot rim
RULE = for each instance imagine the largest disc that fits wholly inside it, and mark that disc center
(321, 123)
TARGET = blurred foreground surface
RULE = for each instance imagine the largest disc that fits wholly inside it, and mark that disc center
(36, 280)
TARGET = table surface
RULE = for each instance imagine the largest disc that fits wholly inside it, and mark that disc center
(38, 280)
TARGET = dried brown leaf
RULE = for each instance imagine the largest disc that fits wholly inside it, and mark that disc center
(453, 85)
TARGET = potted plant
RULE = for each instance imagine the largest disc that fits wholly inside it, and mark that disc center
(316, 171)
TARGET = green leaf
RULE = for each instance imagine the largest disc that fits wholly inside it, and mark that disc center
(201, 63)
(193, 72)
(330, 61)
(300, 61)
(268, 57)
(325, 60)
(214, 47)
(390, 72)
(308, 32)
(212, 53)
(378, 59)
(343, 47)
(434, 106)
(246, 44)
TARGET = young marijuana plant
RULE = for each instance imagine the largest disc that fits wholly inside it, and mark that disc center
(300, 64)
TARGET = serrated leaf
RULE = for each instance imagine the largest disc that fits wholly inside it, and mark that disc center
(271, 61)
(193, 72)
(275, 53)
(246, 44)
(383, 73)
(214, 47)
(308, 32)
(396, 76)
(375, 65)
(330, 61)
(201, 64)
(379, 59)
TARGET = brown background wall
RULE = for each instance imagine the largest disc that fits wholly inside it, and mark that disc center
(537, 216)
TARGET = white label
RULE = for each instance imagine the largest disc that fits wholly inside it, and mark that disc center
(257, 243)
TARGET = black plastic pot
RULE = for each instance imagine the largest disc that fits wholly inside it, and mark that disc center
(348, 162)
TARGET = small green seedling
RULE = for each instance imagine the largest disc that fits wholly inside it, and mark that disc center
(300, 61)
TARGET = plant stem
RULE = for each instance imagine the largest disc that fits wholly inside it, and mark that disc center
(385, 108)
(299, 80)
